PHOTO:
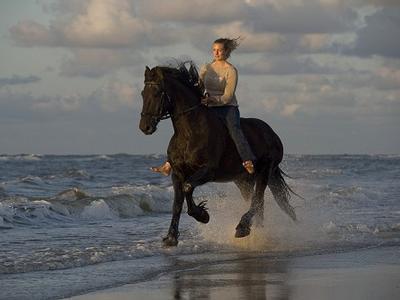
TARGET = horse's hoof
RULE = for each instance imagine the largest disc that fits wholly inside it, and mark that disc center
(204, 217)
(200, 213)
(242, 231)
(170, 241)
(187, 187)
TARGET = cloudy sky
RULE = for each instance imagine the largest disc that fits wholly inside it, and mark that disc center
(325, 74)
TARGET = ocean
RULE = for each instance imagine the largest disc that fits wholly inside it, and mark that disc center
(73, 224)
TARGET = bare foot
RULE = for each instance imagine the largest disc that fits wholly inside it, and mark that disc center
(248, 165)
(164, 169)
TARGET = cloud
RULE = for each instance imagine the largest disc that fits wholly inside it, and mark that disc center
(30, 33)
(310, 103)
(380, 34)
(102, 24)
(113, 96)
(62, 7)
(383, 78)
(315, 41)
(105, 24)
(105, 36)
(116, 95)
(340, 97)
(98, 62)
(267, 25)
(387, 77)
(383, 3)
(16, 80)
(58, 104)
(195, 11)
(140, 24)
(312, 16)
(305, 95)
(283, 65)
(25, 106)
(251, 42)
(289, 109)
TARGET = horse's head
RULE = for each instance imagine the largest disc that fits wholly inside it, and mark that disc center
(156, 102)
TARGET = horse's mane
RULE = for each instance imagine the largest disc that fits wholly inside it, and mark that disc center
(189, 77)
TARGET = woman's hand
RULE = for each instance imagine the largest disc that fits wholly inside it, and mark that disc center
(204, 101)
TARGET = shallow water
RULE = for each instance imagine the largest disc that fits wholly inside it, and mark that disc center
(72, 224)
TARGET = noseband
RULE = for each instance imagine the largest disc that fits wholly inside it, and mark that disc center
(164, 112)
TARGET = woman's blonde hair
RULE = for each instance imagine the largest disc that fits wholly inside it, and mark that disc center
(229, 44)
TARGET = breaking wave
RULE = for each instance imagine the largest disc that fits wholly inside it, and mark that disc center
(23, 157)
(75, 204)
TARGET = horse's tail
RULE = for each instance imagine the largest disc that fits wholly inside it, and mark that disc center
(281, 191)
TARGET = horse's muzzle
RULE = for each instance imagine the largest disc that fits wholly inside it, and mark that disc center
(147, 127)
(149, 130)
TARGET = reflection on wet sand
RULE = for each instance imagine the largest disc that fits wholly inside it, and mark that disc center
(239, 279)
(372, 273)
(358, 275)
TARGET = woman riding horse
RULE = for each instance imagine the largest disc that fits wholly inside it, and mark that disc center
(220, 80)
(202, 149)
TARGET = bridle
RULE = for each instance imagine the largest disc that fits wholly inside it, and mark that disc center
(164, 112)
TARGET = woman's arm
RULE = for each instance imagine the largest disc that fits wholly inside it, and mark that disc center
(230, 88)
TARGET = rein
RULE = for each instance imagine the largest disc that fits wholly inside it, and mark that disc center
(164, 112)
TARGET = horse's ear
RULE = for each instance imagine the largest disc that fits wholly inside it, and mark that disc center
(194, 75)
(147, 71)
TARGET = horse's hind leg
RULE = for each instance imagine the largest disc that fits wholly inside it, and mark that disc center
(256, 207)
(246, 187)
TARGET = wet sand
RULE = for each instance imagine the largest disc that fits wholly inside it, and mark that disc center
(372, 273)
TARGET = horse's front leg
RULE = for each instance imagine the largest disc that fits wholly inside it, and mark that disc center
(201, 176)
(173, 233)
(199, 212)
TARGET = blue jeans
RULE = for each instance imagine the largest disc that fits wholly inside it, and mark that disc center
(230, 115)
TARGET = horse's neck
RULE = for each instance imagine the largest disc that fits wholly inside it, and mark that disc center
(185, 102)
(184, 98)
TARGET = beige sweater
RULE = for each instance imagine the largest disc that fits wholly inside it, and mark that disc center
(220, 83)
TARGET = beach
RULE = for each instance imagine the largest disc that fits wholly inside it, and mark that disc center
(91, 227)
(372, 273)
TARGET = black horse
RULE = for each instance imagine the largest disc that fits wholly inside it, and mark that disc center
(201, 150)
